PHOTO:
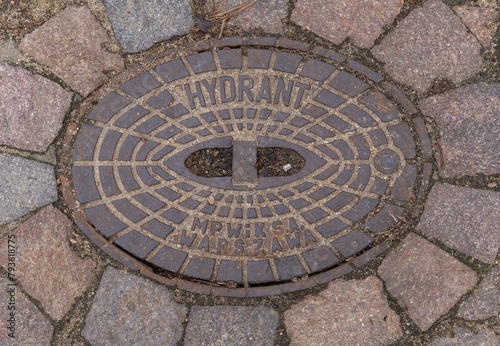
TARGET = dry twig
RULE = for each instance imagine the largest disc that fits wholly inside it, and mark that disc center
(440, 153)
(224, 16)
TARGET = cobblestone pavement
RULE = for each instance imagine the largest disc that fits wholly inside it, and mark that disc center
(388, 234)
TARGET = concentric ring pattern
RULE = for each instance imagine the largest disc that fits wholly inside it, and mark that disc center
(360, 173)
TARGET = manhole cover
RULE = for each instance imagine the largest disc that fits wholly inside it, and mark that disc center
(253, 165)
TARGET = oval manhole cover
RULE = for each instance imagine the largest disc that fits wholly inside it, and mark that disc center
(140, 148)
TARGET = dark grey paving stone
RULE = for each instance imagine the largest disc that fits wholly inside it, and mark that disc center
(25, 185)
(138, 25)
(424, 279)
(231, 325)
(485, 301)
(31, 326)
(463, 219)
(430, 43)
(130, 310)
(465, 337)
(352, 312)
(467, 118)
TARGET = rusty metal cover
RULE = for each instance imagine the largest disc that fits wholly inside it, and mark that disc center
(363, 157)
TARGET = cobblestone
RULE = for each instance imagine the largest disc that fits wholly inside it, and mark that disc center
(46, 267)
(32, 109)
(430, 43)
(467, 118)
(138, 25)
(231, 325)
(480, 20)
(25, 185)
(346, 313)
(425, 280)
(70, 44)
(336, 20)
(129, 310)
(463, 219)
(485, 301)
(275, 11)
(31, 327)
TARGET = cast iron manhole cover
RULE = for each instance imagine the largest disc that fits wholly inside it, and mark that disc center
(146, 172)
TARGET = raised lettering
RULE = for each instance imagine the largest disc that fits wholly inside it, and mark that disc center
(258, 244)
(204, 244)
(264, 92)
(293, 242)
(239, 245)
(223, 91)
(242, 88)
(211, 89)
(233, 233)
(258, 230)
(309, 238)
(293, 225)
(197, 224)
(192, 95)
(278, 228)
(187, 240)
(276, 245)
(222, 246)
(216, 227)
(281, 91)
(300, 93)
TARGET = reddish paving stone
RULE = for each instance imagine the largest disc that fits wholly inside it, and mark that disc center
(46, 267)
(425, 280)
(430, 43)
(481, 21)
(463, 219)
(70, 44)
(231, 325)
(129, 310)
(31, 326)
(32, 109)
(335, 20)
(468, 119)
(346, 313)
(465, 337)
(485, 301)
(251, 18)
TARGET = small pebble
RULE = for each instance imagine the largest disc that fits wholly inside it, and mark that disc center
(211, 200)
(287, 167)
